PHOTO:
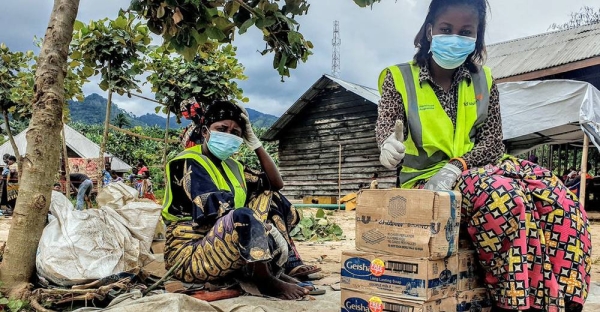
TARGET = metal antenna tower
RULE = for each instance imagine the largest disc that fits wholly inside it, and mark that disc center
(336, 43)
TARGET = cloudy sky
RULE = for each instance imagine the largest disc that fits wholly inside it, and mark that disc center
(371, 40)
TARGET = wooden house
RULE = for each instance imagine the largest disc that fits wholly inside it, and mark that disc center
(327, 141)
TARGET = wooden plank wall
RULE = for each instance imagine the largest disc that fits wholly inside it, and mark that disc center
(309, 146)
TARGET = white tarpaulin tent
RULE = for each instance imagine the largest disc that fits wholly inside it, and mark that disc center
(548, 112)
(76, 141)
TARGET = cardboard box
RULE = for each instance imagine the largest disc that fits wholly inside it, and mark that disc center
(474, 300)
(412, 223)
(354, 301)
(399, 277)
(470, 272)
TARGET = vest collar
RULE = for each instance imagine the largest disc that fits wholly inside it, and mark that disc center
(462, 73)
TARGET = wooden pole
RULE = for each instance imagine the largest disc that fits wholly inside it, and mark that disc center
(105, 134)
(66, 160)
(551, 167)
(340, 178)
(145, 137)
(584, 159)
(164, 159)
(560, 169)
(147, 98)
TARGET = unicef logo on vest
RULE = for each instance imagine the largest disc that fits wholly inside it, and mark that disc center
(358, 266)
(470, 103)
(356, 305)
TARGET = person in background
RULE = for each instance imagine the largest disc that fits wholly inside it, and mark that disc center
(115, 177)
(142, 168)
(57, 187)
(106, 176)
(132, 178)
(532, 158)
(83, 185)
(439, 116)
(374, 184)
(11, 175)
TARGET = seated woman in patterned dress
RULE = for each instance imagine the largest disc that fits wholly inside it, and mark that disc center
(212, 235)
(439, 117)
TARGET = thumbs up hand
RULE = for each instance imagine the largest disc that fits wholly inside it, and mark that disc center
(392, 149)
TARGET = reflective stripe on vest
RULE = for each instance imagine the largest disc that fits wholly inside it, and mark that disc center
(233, 171)
(427, 152)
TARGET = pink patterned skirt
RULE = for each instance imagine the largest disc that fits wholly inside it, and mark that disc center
(531, 236)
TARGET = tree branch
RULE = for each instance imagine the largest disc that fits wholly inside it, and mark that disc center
(147, 99)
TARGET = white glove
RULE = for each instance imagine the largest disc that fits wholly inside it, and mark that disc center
(392, 149)
(250, 138)
(445, 178)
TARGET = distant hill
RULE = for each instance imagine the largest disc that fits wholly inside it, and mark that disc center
(93, 110)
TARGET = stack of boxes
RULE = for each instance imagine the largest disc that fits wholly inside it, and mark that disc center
(407, 256)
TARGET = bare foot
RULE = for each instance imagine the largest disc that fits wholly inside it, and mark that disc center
(277, 288)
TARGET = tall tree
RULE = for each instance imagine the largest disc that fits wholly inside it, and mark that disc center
(16, 78)
(112, 48)
(586, 16)
(43, 152)
(121, 120)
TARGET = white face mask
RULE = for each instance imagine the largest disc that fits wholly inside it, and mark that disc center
(223, 145)
(451, 51)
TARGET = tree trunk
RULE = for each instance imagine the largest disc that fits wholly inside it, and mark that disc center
(105, 134)
(13, 143)
(164, 159)
(42, 153)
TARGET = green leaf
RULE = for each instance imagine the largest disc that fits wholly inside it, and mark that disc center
(200, 38)
(247, 24)
(88, 71)
(103, 85)
(157, 109)
(120, 22)
(265, 22)
(78, 25)
(215, 33)
(320, 213)
(322, 222)
(294, 37)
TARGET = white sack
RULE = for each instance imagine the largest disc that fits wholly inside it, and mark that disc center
(81, 246)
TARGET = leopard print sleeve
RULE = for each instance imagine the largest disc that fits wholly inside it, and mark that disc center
(488, 147)
(390, 109)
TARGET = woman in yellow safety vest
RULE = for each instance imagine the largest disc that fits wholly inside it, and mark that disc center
(212, 236)
(439, 117)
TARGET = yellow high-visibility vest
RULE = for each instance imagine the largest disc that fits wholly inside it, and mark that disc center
(233, 170)
(432, 138)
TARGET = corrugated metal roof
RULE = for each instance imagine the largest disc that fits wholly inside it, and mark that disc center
(368, 93)
(325, 81)
(547, 50)
(76, 141)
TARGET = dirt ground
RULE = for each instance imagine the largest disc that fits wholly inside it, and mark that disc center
(327, 256)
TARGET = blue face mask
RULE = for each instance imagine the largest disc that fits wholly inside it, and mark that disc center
(451, 51)
(223, 145)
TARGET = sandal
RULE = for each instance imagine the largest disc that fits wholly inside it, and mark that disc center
(312, 289)
(304, 270)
